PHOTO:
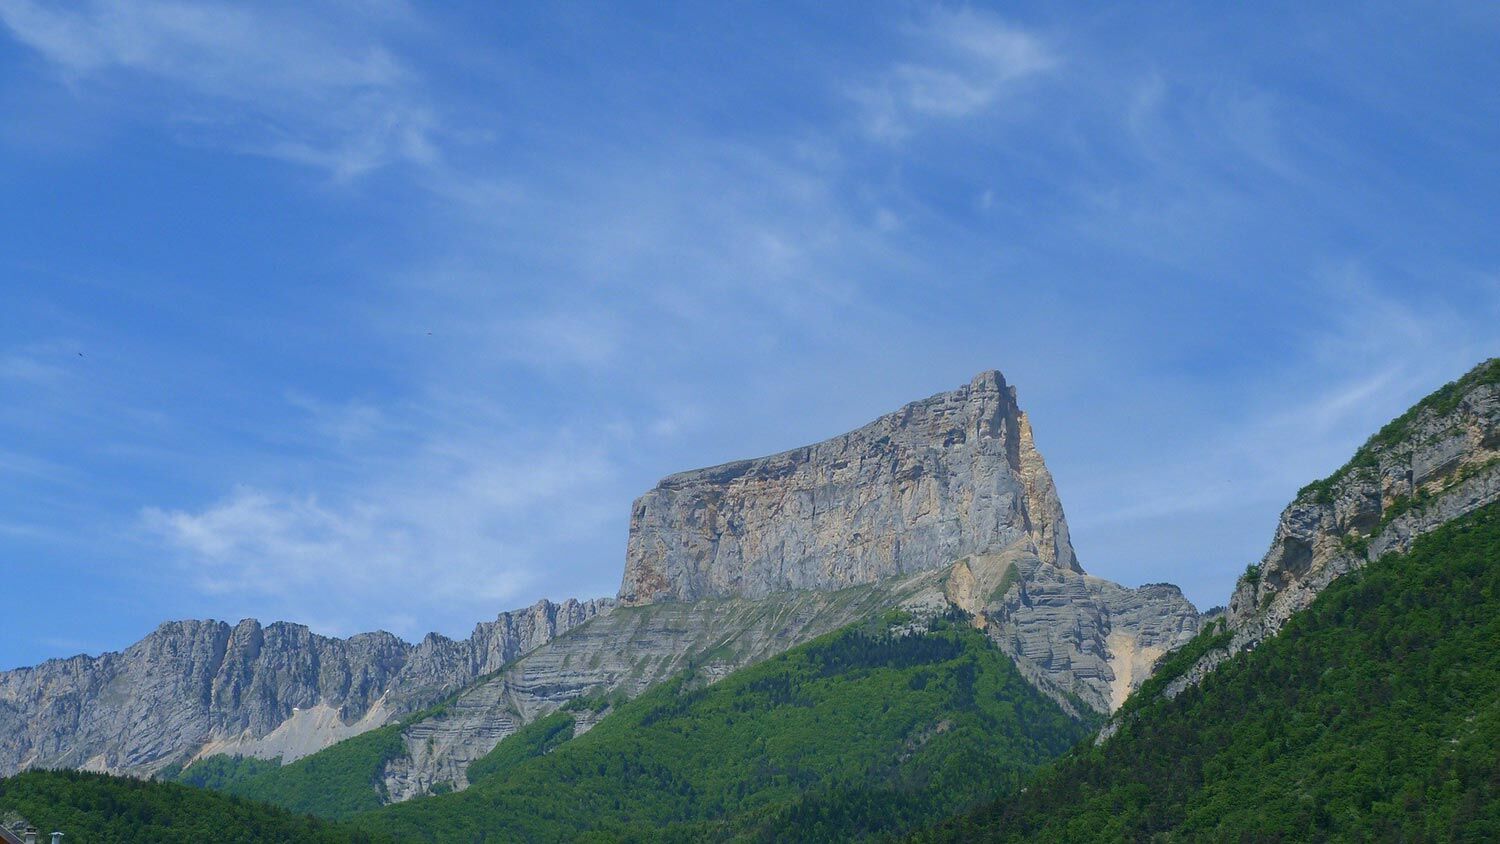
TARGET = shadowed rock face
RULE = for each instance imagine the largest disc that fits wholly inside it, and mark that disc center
(276, 690)
(939, 479)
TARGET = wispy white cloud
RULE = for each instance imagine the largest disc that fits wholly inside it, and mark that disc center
(456, 529)
(263, 79)
(963, 63)
(30, 369)
(1373, 357)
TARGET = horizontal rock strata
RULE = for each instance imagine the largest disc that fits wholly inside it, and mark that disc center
(939, 479)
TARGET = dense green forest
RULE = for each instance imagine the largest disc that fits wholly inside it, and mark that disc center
(99, 809)
(1374, 715)
(855, 733)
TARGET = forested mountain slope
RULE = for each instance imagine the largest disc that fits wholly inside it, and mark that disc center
(932, 719)
(1373, 715)
(99, 809)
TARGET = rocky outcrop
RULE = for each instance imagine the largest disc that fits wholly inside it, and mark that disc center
(939, 479)
(1078, 638)
(1438, 461)
(279, 690)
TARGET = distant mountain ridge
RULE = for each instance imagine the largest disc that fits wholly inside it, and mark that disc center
(277, 690)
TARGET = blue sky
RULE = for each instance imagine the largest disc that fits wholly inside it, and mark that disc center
(375, 315)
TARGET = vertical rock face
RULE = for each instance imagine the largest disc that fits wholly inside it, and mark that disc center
(952, 475)
(277, 690)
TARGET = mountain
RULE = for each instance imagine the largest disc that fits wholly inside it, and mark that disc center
(966, 516)
(279, 691)
(1373, 715)
(944, 503)
(933, 713)
(1349, 693)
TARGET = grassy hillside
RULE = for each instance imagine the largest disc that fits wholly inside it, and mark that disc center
(100, 809)
(1374, 715)
(856, 732)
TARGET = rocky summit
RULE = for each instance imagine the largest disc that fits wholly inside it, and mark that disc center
(945, 503)
(939, 479)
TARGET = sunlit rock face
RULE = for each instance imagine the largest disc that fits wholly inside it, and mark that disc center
(939, 479)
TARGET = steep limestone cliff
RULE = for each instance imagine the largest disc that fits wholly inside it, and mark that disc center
(952, 475)
(199, 687)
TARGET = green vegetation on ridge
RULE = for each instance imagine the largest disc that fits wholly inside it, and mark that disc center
(1374, 715)
(1441, 401)
(858, 732)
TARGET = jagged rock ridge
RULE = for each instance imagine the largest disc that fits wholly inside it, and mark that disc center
(197, 687)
